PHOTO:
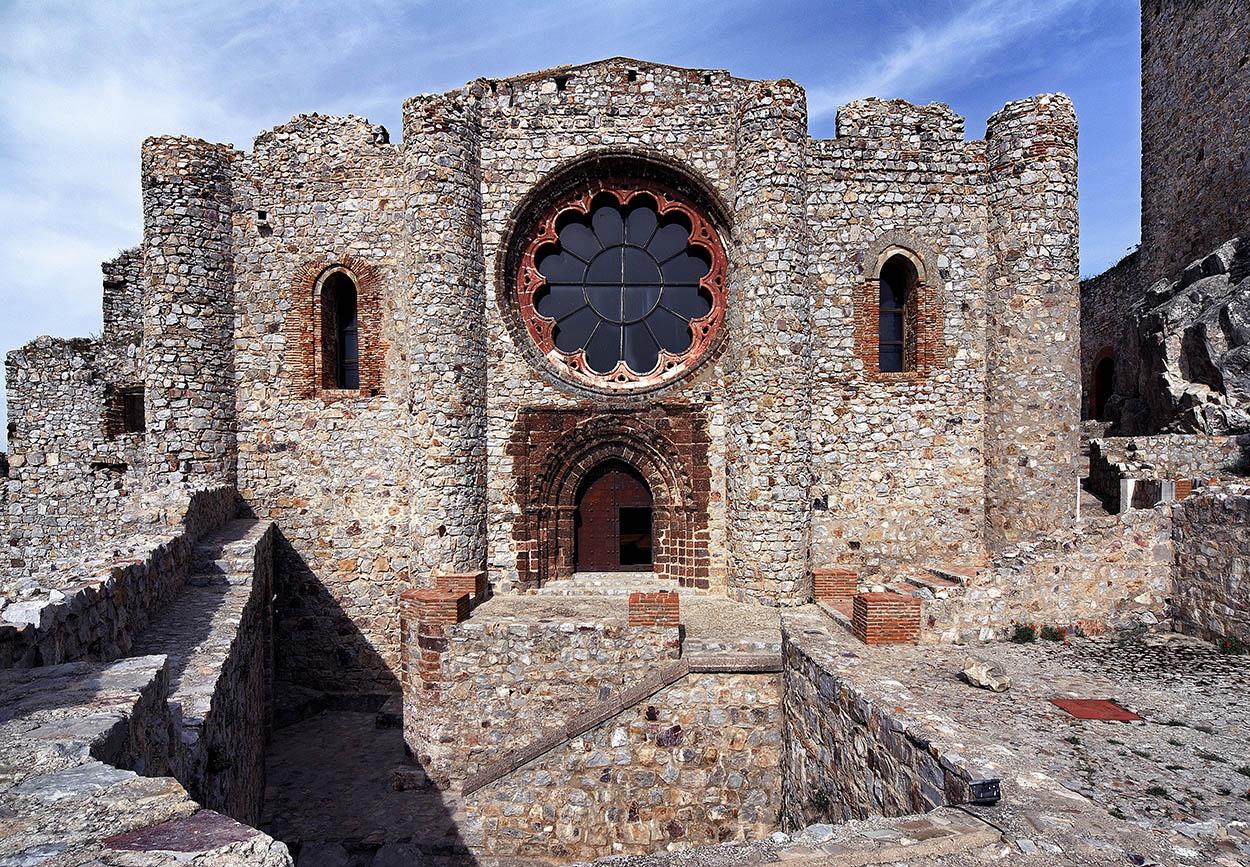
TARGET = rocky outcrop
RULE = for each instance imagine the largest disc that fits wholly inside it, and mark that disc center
(1191, 339)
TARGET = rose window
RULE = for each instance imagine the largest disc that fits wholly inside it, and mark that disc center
(623, 287)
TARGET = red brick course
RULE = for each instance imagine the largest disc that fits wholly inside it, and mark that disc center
(654, 609)
(886, 618)
(834, 585)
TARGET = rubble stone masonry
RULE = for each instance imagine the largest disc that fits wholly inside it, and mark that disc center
(1211, 588)
(1195, 145)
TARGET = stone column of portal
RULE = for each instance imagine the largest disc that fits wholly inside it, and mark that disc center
(768, 409)
(188, 313)
(1033, 361)
(446, 335)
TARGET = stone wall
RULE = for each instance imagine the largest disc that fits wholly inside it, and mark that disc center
(1168, 457)
(505, 682)
(1195, 152)
(1101, 572)
(846, 756)
(94, 610)
(1105, 319)
(698, 762)
(1211, 588)
(68, 484)
(896, 455)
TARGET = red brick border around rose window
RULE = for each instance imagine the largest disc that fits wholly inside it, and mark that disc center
(305, 361)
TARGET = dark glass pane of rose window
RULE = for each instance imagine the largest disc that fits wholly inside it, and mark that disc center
(685, 269)
(687, 301)
(562, 267)
(672, 331)
(608, 225)
(573, 332)
(668, 241)
(579, 240)
(557, 301)
(639, 301)
(604, 349)
(641, 351)
(640, 225)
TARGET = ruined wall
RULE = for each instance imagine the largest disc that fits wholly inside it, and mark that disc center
(1033, 353)
(698, 762)
(1195, 145)
(68, 483)
(96, 609)
(1105, 319)
(331, 467)
(844, 755)
(1166, 456)
(510, 681)
(1211, 589)
(897, 455)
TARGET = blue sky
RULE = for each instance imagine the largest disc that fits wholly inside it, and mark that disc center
(83, 83)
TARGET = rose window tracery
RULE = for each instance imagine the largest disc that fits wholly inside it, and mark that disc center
(622, 286)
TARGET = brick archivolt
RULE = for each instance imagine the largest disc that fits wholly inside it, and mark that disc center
(303, 322)
(924, 312)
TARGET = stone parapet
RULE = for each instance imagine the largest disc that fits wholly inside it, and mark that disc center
(1211, 588)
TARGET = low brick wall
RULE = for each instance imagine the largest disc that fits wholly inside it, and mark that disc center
(698, 762)
(96, 611)
(886, 618)
(834, 585)
(1211, 587)
(502, 683)
(845, 756)
(654, 609)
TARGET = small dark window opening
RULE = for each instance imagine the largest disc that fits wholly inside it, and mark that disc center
(707, 79)
(340, 333)
(895, 331)
(1104, 382)
(633, 75)
(133, 420)
(562, 81)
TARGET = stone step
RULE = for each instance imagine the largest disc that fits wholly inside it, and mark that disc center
(962, 575)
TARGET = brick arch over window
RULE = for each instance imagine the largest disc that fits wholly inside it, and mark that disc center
(924, 313)
(305, 343)
(662, 454)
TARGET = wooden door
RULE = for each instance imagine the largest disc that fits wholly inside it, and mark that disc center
(613, 521)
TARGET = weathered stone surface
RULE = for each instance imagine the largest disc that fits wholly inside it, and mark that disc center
(985, 675)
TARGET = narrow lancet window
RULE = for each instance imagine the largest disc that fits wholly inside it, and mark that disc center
(898, 286)
(340, 332)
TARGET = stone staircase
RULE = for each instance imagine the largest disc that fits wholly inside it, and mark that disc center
(612, 584)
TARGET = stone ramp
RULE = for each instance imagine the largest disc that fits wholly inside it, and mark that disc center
(216, 636)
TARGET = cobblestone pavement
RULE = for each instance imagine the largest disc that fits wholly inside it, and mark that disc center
(1181, 773)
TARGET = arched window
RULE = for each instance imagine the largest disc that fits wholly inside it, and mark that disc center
(340, 339)
(1104, 382)
(895, 330)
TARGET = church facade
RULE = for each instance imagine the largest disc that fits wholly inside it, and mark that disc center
(613, 317)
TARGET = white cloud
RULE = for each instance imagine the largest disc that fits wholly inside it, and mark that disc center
(938, 50)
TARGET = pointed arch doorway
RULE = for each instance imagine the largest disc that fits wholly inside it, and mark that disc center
(613, 520)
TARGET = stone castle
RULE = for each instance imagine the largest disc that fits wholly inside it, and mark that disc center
(587, 423)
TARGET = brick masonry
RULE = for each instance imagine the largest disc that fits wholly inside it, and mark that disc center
(834, 585)
(654, 609)
(886, 618)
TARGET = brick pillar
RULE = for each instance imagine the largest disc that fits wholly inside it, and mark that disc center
(654, 609)
(1033, 375)
(424, 617)
(834, 585)
(472, 583)
(768, 409)
(886, 618)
